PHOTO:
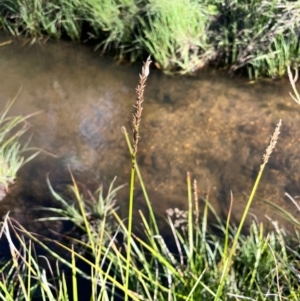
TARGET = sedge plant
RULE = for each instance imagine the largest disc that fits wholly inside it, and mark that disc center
(136, 121)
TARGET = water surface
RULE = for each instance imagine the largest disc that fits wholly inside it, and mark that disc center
(211, 125)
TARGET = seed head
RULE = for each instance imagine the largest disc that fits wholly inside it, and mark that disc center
(137, 114)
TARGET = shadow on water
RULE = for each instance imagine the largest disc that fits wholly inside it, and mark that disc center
(211, 125)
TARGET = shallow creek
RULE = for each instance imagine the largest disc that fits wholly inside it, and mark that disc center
(211, 125)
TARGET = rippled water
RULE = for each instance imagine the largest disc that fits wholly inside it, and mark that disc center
(211, 125)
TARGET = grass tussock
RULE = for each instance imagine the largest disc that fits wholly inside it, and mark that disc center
(11, 150)
(261, 37)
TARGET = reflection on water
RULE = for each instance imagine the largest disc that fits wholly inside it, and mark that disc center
(211, 125)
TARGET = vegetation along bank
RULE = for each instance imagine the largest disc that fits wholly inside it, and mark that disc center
(261, 37)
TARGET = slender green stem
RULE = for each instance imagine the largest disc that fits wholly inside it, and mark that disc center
(190, 219)
(152, 217)
(227, 261)
(74, 277)
(129, 232)
(136, 121)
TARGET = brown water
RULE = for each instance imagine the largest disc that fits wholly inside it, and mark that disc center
(211, 125)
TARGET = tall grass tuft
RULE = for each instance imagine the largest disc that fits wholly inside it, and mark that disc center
(38, 18)
(176, 34)
(227, 260)
(115, 21)
(261, 36)
(136, 121)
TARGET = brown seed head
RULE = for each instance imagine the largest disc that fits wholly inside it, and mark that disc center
(137, 114)
(271, 146)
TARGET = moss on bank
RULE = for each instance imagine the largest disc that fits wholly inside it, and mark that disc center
(182, 36)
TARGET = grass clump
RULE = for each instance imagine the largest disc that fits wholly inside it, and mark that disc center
(176, 33)
(262, 36)
(11, 151)
(38, 18)
(115, 21)
(264, 266)
(118, 263)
